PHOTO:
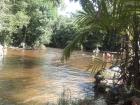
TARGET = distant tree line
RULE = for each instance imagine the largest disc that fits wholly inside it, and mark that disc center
(27, 21)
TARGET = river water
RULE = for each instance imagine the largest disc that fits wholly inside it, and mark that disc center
(35, 77)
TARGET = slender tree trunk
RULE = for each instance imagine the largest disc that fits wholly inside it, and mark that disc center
(24, 35)
(136, 50)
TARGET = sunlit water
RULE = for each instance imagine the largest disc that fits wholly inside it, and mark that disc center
(31, 77)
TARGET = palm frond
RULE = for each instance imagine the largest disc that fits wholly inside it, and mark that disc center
(81, 36)
(97, 65)
(99, 15)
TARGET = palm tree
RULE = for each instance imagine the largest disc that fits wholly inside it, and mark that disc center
(133, 6)
(112, 17)
(99, 15)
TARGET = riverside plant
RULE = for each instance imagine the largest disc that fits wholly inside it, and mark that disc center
(66, 99)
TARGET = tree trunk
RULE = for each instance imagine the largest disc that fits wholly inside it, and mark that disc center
(136, 49)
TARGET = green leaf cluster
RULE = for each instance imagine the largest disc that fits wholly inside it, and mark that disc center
(27, 21)
(111, 18)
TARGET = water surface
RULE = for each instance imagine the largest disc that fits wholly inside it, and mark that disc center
(33, 77)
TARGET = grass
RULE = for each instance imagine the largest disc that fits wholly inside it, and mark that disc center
(63, 101)
(66, 99)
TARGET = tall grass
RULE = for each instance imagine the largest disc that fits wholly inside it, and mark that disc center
(66, 99)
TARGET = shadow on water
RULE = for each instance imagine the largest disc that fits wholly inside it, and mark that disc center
(9, 87)
(29, 77)
(22, 62)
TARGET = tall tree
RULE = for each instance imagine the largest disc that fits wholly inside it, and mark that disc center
(27, 20)
(107, 17)
(113, 17)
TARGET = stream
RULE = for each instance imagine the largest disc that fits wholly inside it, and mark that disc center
(37, 76)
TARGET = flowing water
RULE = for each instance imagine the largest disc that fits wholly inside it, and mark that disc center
(34, 77)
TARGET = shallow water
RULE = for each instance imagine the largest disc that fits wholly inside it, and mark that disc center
(32, 77)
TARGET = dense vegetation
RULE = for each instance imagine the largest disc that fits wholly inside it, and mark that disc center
(118, 22)
(36, 22)
(113, 25)
(27, 21)
(63, 32)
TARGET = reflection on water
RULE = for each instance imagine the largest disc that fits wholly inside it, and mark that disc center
(28, 77)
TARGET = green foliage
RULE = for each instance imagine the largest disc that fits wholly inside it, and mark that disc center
(92, 40)
(117, 19)
(27, 21)
(36, 29)
(10, 21)
(63, 32)
(108, 18)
